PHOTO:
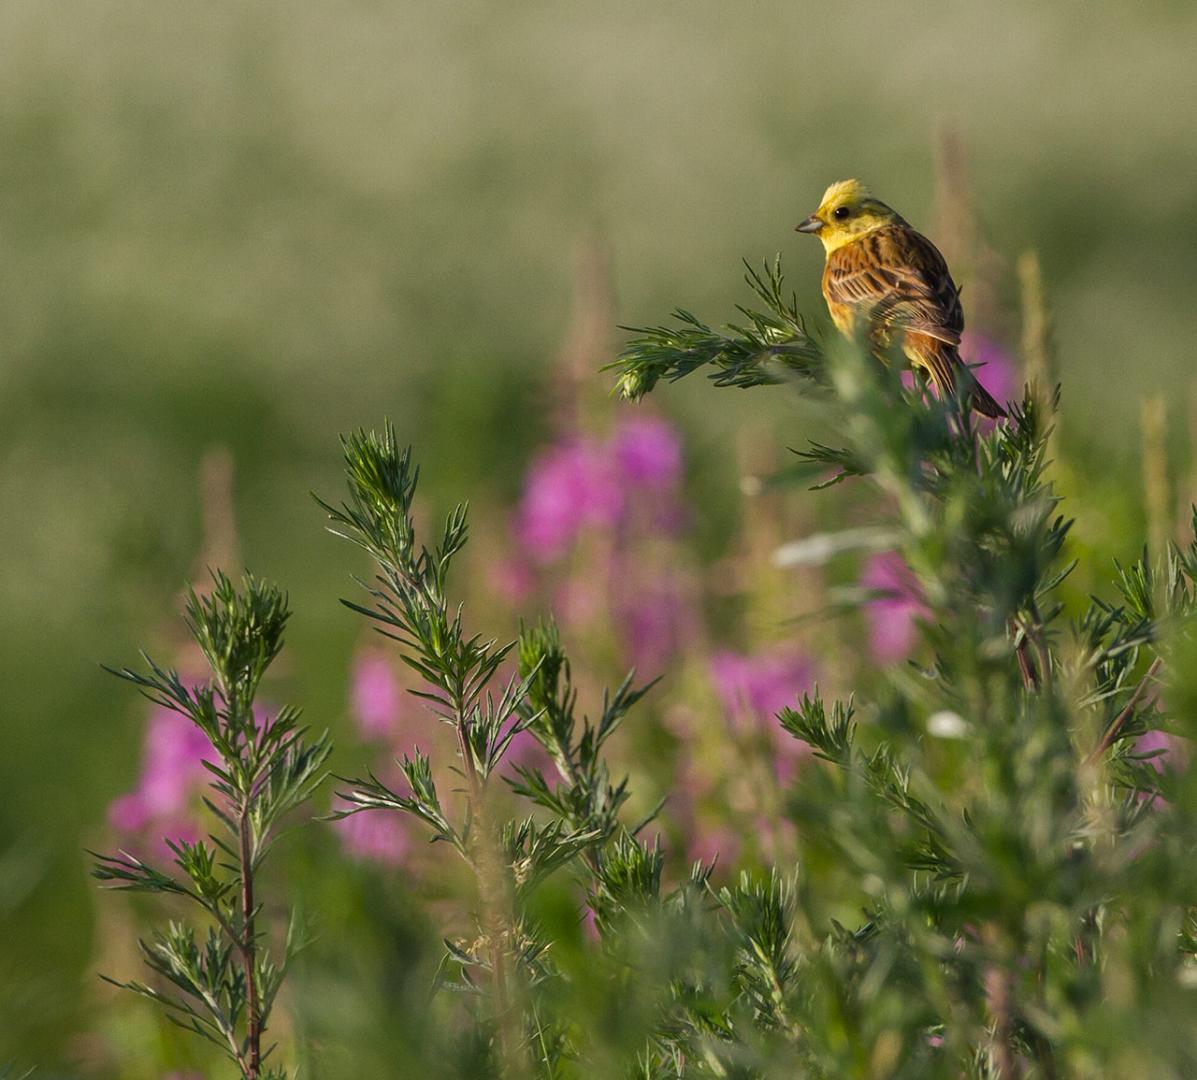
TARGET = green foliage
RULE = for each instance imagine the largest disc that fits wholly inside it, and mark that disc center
(773, 344)
(766, 964)
(989, 811)
(993, 881)
(222, 984)
(584, 797)
(509, 859)
(224, 221)
(411, 606)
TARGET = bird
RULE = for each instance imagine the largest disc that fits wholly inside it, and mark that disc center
(882, 271)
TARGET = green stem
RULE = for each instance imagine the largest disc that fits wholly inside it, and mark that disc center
(248, 948)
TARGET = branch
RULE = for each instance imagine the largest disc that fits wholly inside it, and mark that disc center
(1107, 740)
(775, 342)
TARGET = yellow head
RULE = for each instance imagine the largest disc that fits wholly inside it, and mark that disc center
(847, 212)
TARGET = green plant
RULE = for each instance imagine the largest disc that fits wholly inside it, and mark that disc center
(993, 879)
(221, 980)
(988, 810)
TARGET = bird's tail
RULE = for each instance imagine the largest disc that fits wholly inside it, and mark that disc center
(947, 370)
(984, 402)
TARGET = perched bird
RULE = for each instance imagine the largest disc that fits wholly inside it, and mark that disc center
(882, 271)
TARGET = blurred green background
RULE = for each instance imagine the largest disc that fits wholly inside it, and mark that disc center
(259, 225)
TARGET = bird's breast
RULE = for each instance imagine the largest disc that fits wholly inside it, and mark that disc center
(842, 315)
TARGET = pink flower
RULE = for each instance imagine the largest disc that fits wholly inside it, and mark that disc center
(1175, 754)
(720, 843)
(892, 614)
(775, 836)
(583, 483)
(581, 599)
(172, 771)
(788, 752)
(128, 814)
(691, 784)
(648, 452)
(511, 579)
(164, 801)
(177, 829)
(569, 487)
(754, 689)
(376, 694)
(377, 836)
(994, 368)
(655, 621)
(525, 750)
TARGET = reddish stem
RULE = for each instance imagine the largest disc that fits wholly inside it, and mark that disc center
(1107, 740)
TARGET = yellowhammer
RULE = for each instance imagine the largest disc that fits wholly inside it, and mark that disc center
(881, 270)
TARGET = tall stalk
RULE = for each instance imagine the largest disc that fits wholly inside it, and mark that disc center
(263, 769)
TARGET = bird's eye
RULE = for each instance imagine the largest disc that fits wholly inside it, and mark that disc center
(840, 213)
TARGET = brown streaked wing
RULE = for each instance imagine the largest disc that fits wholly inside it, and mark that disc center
(899, 277)
(938, 358)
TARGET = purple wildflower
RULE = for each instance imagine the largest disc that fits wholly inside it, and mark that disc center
(175, 750)
(754, 689)
(623, 491)
(569, 487)
(164, 802)
(993, 366)
(511, 579)
(892, 615)
(376, 694)
(580, 599)
(127, 813)
(171, 772)
(648, 453)
(585, 482)
(775, 836)
(720, 843)
(690, 786)
(526, 751)
(655, 619)
(1174, 755)
(1173, 752)
(375, 836)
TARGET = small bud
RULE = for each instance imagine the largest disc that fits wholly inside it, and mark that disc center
(633, 385)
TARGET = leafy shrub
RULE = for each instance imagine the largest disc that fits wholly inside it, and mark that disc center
(995, 873)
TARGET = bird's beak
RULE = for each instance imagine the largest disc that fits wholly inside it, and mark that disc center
(811, 225)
